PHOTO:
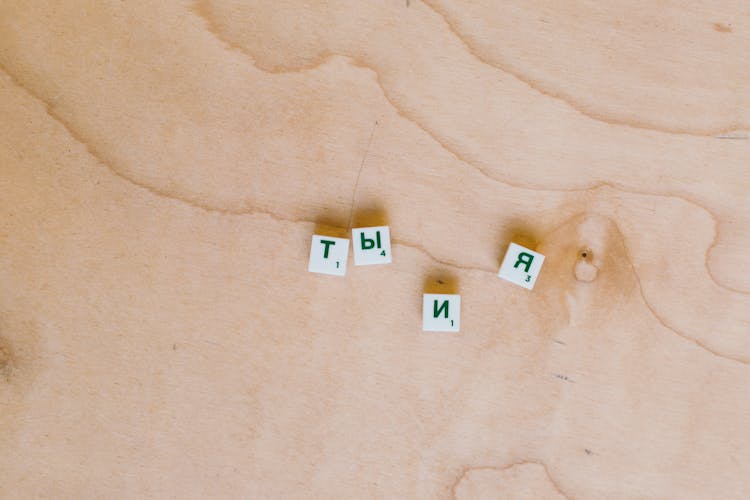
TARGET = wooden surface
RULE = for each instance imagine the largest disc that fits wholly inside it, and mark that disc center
(163, 166)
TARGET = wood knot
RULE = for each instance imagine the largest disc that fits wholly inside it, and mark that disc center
(585, 270)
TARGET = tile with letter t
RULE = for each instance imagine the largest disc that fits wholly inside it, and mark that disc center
(441, 312)
(521, 266)
(372, 245)
(328, 255)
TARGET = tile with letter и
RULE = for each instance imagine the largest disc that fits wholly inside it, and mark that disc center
(521, 266)
(328, 255)
(372, 245)
(441, 312)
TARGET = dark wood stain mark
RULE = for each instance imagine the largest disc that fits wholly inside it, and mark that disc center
(723, 28)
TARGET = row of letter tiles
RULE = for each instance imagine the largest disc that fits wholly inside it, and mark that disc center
(372, 245)
(328, 255)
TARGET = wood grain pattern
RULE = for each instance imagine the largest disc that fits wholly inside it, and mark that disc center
(164, 164)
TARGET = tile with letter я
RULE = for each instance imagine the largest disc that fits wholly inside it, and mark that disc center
(521, 266)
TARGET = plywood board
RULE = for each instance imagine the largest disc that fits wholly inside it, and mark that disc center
(163, 166)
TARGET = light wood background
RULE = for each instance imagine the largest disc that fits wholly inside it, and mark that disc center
(163, 166)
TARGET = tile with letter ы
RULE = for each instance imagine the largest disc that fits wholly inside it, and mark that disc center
(372, 245)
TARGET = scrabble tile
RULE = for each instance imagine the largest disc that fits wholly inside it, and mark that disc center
(521, 266)
(441, 312)
(328, 255)
(372, 245)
